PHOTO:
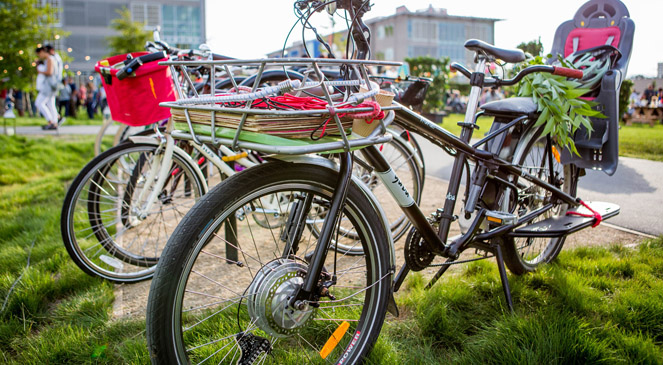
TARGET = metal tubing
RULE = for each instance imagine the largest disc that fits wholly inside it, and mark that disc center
(439, 273)
(327, 230)
(503, 277)
(230, 229)
(295, 225)
(282, 62)
(413, 213)
(499, 131)
(400, 277)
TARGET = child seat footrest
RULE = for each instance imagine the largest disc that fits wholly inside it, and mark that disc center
(567, 224)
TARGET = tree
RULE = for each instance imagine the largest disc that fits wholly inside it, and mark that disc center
(25, 24)
(132, 35)
(533, 47)
(624, 96)
(438, 70)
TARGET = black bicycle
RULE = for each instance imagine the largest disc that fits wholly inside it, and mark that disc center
(227, 290)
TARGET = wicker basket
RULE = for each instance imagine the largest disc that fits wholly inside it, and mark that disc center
(277, 125)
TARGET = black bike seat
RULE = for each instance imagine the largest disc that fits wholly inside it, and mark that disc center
(506, 55)
(511, 106)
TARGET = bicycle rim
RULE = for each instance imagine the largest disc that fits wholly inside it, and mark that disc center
(101, 227)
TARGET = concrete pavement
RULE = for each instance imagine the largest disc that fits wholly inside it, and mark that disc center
(66, 129)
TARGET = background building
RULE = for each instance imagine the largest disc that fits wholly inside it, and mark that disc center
(88, 21)
(430, 32)
(659, 74)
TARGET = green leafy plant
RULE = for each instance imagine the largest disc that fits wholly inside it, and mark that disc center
(438, 70)
(559, 105)
(131, 35)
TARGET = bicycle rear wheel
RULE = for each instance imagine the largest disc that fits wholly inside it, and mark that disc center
(100, 224)
(223, 286)
(534, 154)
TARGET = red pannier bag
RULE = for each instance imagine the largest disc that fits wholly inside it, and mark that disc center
(135, 100)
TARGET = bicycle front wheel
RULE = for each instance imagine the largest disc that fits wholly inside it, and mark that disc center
(221, 291)
(538, 156)
(101, 223)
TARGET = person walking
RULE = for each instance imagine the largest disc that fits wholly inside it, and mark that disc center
(64, 101)
(57, 75)
(45, 101)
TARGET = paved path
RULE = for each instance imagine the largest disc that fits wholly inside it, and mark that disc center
(637, 187)
(66, 129)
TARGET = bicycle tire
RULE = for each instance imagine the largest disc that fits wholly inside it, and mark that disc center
(96, 231)
(187, 304)
(523, 255)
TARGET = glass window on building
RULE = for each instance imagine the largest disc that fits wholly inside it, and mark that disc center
(422, 29)
(181, 25)
(146, 13)
(451, 32)
(74, 13)
(56, 10)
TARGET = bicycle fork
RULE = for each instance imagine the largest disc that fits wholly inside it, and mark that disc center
(157, 176)
(316, 262)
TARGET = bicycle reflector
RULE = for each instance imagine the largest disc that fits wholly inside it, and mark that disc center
(334, 339)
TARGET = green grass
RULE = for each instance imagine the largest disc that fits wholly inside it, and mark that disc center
(595, 305)
(638, 140)
(642, 141)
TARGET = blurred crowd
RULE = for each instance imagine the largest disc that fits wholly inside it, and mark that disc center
(650, 97)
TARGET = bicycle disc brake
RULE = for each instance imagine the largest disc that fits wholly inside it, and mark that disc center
(251, 346)
(417, 256)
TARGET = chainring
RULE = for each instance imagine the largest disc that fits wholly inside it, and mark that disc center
(417, 255)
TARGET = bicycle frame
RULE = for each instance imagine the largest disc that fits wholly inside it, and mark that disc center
(437, 241)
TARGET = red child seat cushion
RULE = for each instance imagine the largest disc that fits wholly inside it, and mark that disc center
(591, 37)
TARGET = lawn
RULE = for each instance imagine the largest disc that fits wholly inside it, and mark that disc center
(638, 140)
(595, 305)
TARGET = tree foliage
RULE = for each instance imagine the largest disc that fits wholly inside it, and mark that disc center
(24, 24)
(438, 70)
(131, 35)
(624, 96)
(533, 47)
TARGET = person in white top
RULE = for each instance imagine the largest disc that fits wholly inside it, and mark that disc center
(57, 75)
(45, 101)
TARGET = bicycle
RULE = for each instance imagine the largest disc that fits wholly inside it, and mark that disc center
(126, 201)
(225, 292)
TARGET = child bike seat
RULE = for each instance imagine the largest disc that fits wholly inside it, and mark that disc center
(598, 23)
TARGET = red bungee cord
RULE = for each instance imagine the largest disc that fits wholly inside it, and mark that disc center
(594, 214)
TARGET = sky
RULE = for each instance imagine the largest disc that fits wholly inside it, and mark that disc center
(250, 29)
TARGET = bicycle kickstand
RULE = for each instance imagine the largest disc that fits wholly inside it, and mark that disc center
(503, 277)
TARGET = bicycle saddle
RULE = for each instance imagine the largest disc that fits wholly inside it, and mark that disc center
(511, 106)
(506, 55)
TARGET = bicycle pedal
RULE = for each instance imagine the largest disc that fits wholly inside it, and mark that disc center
(500, 218)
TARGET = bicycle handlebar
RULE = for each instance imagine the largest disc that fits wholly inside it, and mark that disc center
(135, 63)
(555, 70)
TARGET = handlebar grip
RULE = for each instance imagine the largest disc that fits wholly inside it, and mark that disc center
(135, 64)
(567, 72)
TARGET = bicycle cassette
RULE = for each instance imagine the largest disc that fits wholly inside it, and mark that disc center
(417, 255)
